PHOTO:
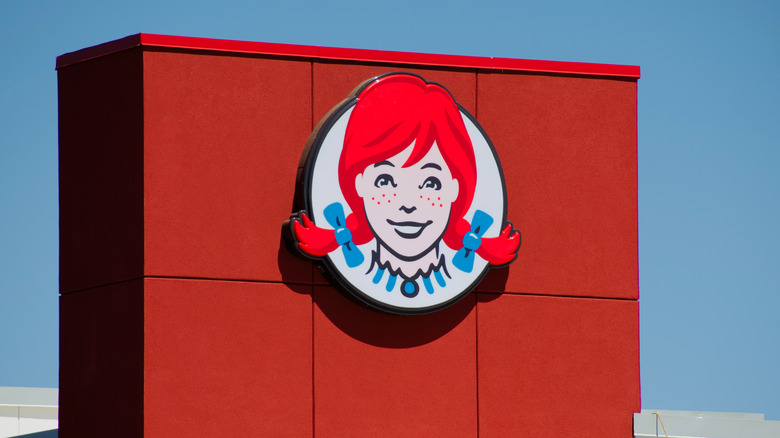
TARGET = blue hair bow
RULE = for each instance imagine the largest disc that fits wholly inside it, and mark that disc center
(464, 258)
(334, 214)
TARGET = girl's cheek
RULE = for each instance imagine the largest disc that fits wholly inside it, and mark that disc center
(381, 198)
(434, 201)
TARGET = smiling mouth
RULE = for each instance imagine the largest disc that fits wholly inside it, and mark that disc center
(408, 229)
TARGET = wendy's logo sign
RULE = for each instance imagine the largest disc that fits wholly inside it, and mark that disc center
(404, 198)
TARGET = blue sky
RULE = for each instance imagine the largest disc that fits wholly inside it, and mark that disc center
(709, 154)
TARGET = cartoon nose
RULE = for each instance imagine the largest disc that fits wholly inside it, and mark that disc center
(407, 210)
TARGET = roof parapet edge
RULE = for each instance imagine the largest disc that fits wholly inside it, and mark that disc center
(360, 55)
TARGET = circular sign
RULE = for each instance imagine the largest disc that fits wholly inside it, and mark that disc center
(404, 197)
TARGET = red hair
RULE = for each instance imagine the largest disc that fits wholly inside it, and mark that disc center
(391, 112)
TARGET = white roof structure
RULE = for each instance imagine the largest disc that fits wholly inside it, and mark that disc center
(690, 424)
(29, 412)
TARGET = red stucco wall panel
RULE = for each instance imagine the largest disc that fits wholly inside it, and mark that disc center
(100, 170)
(226, 358)
(388, 375)
(556, 366)
(101, 362)
(568, 149)
(334, 81)
(223, 138)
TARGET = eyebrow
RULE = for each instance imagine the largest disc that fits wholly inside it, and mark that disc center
(433, 165)
(384, 163)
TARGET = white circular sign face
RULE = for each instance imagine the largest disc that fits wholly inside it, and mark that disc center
(404, 196)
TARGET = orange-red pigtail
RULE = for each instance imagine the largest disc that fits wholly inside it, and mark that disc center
(501, 249)
(313, 240)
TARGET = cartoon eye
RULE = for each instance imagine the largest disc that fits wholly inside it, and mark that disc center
(431, 183)
(384, 180)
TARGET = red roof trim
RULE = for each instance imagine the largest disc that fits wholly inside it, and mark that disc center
(361, 55)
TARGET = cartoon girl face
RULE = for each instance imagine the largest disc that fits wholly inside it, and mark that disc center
(408, 206)
(398, 215)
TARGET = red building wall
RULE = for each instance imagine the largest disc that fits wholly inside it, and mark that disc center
(183, 313)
